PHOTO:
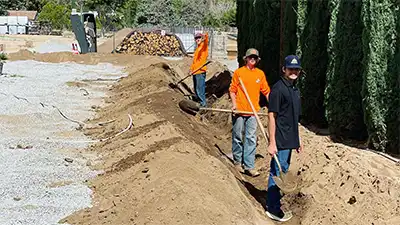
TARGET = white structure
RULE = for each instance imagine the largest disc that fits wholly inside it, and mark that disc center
(13, 24)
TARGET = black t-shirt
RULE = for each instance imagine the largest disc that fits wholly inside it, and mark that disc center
(284, 100)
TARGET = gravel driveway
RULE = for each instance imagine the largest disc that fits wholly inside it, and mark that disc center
(42, 168)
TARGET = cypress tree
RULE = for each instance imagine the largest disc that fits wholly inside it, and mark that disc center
(314, 44)
(393, 120)
(344, 78)
(379, 47)
(242, 26)
(268, 42)
(302, 13)
(290, 28)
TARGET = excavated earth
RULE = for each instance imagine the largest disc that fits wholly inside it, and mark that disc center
(175, 168)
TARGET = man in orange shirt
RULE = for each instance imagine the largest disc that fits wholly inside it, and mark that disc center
(199, 59)
(254, 79)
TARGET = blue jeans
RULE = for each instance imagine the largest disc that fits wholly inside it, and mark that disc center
(199, 85)
(273, 193)
(244, 152)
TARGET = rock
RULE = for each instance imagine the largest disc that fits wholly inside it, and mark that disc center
(69, 160)
(352, 200)
(17, 198)
(145, 170)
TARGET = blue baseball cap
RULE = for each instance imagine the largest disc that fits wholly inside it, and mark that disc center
(292, 61)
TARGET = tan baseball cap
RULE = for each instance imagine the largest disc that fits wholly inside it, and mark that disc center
(251, 51)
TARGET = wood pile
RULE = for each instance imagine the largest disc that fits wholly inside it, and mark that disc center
(154, 43)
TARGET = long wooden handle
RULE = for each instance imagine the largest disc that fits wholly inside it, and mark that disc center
(191, 74)
(259, 121)
(230, 111)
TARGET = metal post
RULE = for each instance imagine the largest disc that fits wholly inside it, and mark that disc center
(113, 41)
(1, 68)
(81, 11)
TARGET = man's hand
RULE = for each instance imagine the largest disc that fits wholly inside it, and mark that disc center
(300, 148)
(234, 107)
(272, 150)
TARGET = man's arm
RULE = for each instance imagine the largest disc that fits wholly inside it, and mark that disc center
(233, 99)
(273, 109)
(272, 149)
(206, 40)
(265, 89)
(233, 88)
(301, 148)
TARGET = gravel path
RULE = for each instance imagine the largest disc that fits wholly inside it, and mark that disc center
(43, 180)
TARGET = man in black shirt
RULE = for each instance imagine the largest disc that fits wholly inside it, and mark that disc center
(284, 112)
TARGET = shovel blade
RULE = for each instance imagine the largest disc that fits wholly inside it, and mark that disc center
(286, 182)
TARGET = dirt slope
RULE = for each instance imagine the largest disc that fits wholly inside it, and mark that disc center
(165, 170)
(173, 168)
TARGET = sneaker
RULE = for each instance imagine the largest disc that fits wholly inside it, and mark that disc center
(239, 168)
(252, 172)
(281, 216)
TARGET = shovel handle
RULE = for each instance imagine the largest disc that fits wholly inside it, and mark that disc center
(259, 122)
(191, 74)
(231, 111)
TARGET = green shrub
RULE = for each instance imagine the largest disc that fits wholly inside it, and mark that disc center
(3, 56)
(57, 14)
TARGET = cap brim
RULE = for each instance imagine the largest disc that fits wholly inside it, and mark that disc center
(251, 55)
(293, 67)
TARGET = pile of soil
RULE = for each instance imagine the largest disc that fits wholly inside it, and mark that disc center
(166, 170)
(174, 168)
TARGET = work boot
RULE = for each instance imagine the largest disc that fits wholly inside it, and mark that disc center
(252, 172)
(239, 168)
(280, 216)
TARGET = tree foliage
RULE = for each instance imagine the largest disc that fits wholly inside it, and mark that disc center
(379, 38)
(393, 116)
(350, 51)
(56, 14)
(220, 14)
(343, 99)
(166, 12)
(35, 5)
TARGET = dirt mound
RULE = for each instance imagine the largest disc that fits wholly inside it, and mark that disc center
(344, 185)
(338, 184)
(166, 170)
(131, 62)
(111, 43)
(173, 168)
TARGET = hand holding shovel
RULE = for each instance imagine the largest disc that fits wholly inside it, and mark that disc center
(284, 182)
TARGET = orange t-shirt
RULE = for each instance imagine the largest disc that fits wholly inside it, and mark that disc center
(200, 56)
(254, 81)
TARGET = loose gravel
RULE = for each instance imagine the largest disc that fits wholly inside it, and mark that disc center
(43, 173)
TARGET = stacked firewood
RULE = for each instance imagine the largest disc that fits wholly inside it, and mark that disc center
(151, 43)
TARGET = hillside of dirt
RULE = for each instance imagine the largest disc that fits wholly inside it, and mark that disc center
(166, 170)
(174, 168)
